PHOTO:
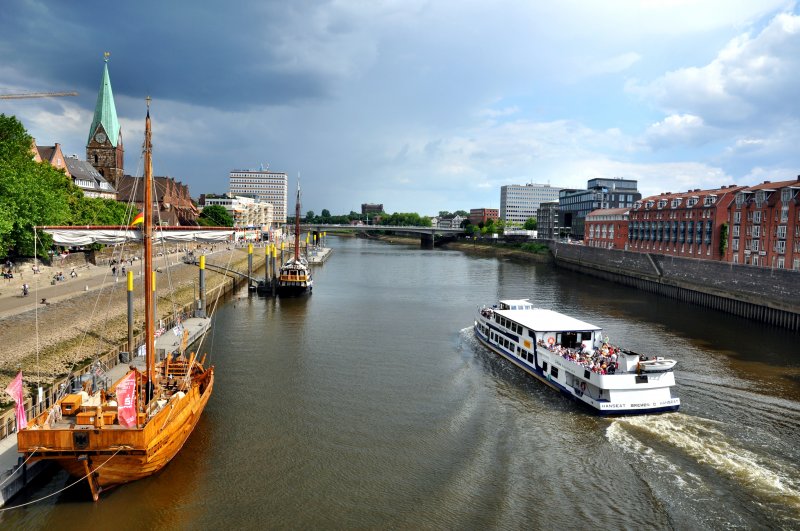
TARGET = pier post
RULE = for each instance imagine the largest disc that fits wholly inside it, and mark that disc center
(249, 264)
(274, 269)
(130, 313)
(266, 265)
(426, 241)
(201, 310)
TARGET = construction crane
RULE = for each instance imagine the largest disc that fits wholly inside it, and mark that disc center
(36, 95)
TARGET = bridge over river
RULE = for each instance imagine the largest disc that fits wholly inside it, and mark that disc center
(428, 236)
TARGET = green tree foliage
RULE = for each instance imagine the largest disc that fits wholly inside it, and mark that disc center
(530, 224)
(406, 219)
(326, 213)
(310, 216)
(462, 213)
(215, 216)
(723, 239)
(31, 193)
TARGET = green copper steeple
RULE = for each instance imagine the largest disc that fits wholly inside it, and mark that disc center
(105, 113)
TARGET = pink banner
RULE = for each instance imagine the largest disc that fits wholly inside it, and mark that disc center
(18, 394)
(126, 400)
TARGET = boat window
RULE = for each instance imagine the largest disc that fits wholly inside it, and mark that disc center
(544, 366)
(530, 333)
(586, 336)
(554, 371)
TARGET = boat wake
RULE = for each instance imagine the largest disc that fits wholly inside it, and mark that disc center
(667, 446)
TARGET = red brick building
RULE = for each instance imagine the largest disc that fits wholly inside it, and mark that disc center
(687, 224)
(607, 228)
(482, 215)
(765, 225)
(175, 206)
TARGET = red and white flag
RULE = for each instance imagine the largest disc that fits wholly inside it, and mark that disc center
(126, 400)
(17, 393)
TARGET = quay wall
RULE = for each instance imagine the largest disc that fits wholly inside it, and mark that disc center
(762, 294)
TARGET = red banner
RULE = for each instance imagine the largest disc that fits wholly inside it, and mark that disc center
(18, 394)
(126, 400)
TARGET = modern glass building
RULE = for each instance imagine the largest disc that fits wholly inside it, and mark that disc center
(575, 205)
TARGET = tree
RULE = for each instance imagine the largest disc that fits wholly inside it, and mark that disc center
(31, 193)
(326, 213)
(444, 214)
(215, 216)
(310, 216)
(723, 239)
(531, 224)
(462, 213)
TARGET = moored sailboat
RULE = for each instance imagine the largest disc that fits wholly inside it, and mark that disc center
(140, 424)
(295, 274)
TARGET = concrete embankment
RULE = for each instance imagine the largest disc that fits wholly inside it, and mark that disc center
(761, 294)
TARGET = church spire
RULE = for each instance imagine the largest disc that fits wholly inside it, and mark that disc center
(105, 112)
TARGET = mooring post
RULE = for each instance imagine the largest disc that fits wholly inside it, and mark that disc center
(130, 313)
(266, 265)
(249, 264)
(201, 310)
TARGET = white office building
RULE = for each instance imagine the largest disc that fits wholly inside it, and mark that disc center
(518, 202)
(268, 186)
(247, 212)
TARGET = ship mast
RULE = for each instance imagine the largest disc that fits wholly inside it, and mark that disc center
(147, 240)
(297, 226)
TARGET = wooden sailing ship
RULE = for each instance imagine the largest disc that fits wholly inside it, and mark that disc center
(108, 438)
(294, 277)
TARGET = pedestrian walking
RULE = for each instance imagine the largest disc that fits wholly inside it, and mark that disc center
(25, 290)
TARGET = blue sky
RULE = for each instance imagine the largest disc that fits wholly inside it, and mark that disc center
(422, 105)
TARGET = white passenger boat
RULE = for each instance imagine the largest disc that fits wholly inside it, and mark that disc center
(571, 356)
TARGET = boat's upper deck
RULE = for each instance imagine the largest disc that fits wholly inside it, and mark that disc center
(538, 319)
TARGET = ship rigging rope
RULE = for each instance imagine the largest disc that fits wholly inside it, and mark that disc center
(11, 474)
(4, 509)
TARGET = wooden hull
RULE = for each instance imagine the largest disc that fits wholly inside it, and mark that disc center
(115, 455)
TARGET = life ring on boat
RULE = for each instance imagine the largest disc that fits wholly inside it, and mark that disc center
(551, 340)
(583, 387)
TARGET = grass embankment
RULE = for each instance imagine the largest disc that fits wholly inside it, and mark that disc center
(537, 252)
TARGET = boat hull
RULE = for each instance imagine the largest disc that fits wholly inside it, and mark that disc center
(294, 290)
(576, 395)
(117, 455)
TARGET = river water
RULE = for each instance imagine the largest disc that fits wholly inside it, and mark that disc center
(370, 405)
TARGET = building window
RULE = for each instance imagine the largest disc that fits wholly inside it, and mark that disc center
(757, 216)
(735, 244)
(786, 195)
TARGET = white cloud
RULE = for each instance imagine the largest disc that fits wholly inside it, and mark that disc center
(677, 129)
(752, 81)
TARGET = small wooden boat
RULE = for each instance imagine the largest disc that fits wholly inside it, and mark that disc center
(140, 424)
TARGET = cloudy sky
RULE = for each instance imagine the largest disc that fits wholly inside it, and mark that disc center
(422, 105)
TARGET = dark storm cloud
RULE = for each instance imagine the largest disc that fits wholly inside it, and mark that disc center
(212, 53)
